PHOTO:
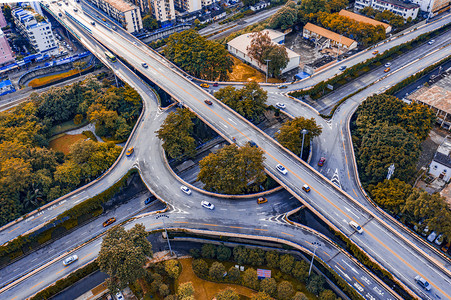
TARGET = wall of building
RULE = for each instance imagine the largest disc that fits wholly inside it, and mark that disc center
(436, 169)
(6, 55)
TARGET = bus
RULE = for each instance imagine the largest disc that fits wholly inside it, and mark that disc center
(110, 56)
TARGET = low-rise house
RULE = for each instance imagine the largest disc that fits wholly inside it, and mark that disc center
(327, 39)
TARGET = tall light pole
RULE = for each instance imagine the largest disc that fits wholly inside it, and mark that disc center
(164, 226)
(316, 245)
(267, 69)
(304, 132)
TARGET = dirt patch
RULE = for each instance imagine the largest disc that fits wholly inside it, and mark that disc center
(206, 289)
(242, 72)
(63, 143)
(304, 48)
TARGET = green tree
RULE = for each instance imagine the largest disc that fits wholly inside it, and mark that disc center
(231, 169)
(200, 267)
(285, 290)
(299, 296)
(290, 134)
(123, 254)
(217, 271)
(249, 101)
(149, 22)
(315, 284)
(250, 278)
(164, 290)
(78, 119)
(172, 268)
(256, 257)
(241, 255)
(417, 119)
(198, 56)
(208, 251)
(327, 295)
(285, 17)
(227, 294)
(185, 290)
(261, 296)
(300, 270)
(249, 2)
(390, 194)
(175, 132)
(68, 174)
(272, 259)
(268, 286)
(233, 274)
(278, 57)
(259, 45)
(223, 253)
(286, 263)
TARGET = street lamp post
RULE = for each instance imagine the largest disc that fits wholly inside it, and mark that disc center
(164, 226)
(304, 132)
(316, 244)
(267, 69)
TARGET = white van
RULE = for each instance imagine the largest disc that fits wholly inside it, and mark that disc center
(432, 236)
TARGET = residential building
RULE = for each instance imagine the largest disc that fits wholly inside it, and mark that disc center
(6, 55)
(212, 15)
(208, 2)
(433, 6)
(2, 20)
(188, 5)
(328, 39)
(440, 166)
(259, 6)
(125, 13)
(163, 10)
(144, 5)
(35, 5)
(238, 47)
(6, 87)
(363, 19)
(404, 9)
(39, 34)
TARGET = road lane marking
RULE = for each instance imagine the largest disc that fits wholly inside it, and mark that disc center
(85, 256)
(238, 227)
(286, 233)
(261, 229)
(355, 193)
(12, 231)
(340, 266)
(36, 285)
(14, 298)
(181, 222)
(61, 270)
(326, 253)
(210, 224)
(358, 281)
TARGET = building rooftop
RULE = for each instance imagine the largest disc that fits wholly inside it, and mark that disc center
(243, 41)
(329, 34)
(401, 4)
(363, 19)
(121, 5)
(437, 96)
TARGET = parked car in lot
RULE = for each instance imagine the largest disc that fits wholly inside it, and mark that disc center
(208, 102)
(423, 283)
(109, 222)
(445, 248)
(70, 260)
(306, 188)
(205, 85)
(262, 200)
(207, 204)
(440, 239)
(129, 151)
(281, 169)
(185, 189)
(432, 236)
(281, 105)
(321, 161)
(356, 227)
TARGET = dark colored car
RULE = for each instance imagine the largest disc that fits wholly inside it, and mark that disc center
(215, 84)
(109, 222)
(208, 102)
(149, 200)
(253, 144)
(321, 161)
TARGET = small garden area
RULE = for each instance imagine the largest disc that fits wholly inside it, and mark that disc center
(64, 142)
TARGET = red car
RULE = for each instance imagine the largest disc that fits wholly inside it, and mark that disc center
(321, 161)
(208, 102)
(215, 84)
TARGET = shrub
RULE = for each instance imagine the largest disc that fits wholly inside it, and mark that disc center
(172, 268)
(185, 290)
(208, 251)
(217, 271)
(233, 274)
(90, 135)
(268, 286)
(250, 279)
(286, 263)
(285, 290)
(200, 268)
(223, 253)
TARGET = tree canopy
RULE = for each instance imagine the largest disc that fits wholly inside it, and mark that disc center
(249, 101)
(123, 254)
(175, 132)
(285, 17)
(227, 294)
(231, 170)
(198, 56)
(149, 22)
(290, 134)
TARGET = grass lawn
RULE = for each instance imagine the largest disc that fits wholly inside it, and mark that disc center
(206, 289)
(242, 72)
(64, 142)
(68, 125)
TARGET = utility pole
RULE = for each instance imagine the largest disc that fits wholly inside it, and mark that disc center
(316, 245)
(164, 226)
(303, 132)
(267, 69)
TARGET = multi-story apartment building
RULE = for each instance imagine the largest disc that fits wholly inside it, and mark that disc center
(188, 5)
(163, 10)
(39, 34)
(127, 14)
(2, 20)
(433, 6)
(404, 9)
(6, 55)
(208, 2)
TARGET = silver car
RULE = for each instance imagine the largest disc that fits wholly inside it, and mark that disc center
(70, 260)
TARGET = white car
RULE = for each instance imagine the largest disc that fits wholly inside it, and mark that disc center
(207, 204)
(423, 283)
(70, 260)
(356, 227)
(281, 105)
(119, 296)
(387, 65)
(281, 169)
(431, 42)
(185, 189)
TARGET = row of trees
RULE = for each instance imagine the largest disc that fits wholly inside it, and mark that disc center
(385, 16)
(198, 56)
(271, 287)
(31, 174)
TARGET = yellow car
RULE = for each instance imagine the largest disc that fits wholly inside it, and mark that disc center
(129, 151)
(204, 85)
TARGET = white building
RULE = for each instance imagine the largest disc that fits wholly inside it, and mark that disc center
(404, 9)
(259, 6)
(238, 47)
(188, 5)
(441, 164)
(163, 10)
(433, 6)
(127, 14)
(39, 34)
